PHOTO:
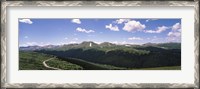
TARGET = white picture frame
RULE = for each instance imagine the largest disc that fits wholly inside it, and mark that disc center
(5, 20)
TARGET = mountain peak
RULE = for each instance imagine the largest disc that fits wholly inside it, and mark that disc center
(87, 44)
(106, 44)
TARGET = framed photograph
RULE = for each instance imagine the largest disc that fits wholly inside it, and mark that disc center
(100, 44)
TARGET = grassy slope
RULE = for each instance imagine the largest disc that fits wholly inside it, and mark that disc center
(34, 61)
(57, 63)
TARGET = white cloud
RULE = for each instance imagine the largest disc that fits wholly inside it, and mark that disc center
(123, 42)
(135, 38)
(72, 42)
(119, 43)
(158, 30)
(174, 39)
(174, 36)
(150, 20)
(29, 44)
(26, 37)
(115, 42)
(37, 44)
(133, 25)
(32, 43)
(175, 33)
(120, 21)
(111, 27)
(65, 38)
(77, 21)
(28, 21)
(45, 44)
(176, 26)
(84, 30)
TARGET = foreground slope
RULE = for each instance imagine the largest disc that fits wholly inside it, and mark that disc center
(34, 61)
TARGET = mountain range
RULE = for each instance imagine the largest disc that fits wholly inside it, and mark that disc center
(90, 44)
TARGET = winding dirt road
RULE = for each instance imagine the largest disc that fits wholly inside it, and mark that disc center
(44, 63)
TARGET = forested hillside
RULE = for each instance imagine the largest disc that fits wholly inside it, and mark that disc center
(130, 58)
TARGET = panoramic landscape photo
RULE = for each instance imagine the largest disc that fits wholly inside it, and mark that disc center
(99, 44)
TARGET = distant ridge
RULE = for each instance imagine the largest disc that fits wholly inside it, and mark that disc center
(91, 44)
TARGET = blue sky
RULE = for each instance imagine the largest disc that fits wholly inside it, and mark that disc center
(120, 31)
